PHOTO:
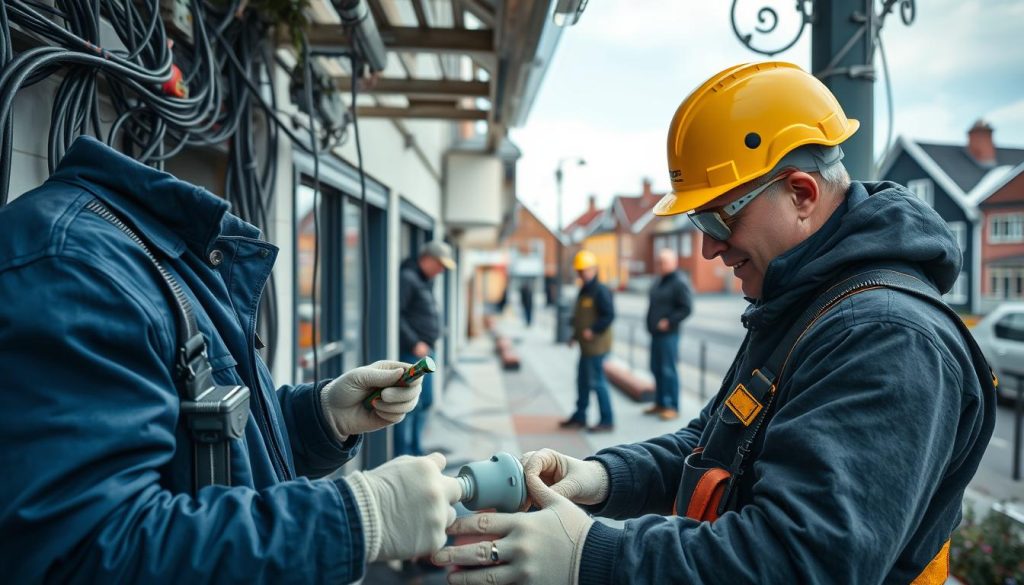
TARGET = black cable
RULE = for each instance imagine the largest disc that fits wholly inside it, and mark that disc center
(363, 208)
(307, 78)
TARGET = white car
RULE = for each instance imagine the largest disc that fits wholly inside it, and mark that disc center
(1001, 337)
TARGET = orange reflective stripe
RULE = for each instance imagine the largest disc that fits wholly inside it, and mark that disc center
(937, 571)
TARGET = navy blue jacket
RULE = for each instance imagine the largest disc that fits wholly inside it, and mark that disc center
(670, 298)
(880, 424)
(96, 465)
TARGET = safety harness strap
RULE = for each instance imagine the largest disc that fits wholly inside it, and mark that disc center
(749, 404)
(213, 414)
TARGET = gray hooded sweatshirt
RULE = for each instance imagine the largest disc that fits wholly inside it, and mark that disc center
(879, 424)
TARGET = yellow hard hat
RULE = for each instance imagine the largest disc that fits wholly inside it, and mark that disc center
(738, 126)
(584, 259)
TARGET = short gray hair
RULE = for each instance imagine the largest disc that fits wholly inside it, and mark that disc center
(834, 177)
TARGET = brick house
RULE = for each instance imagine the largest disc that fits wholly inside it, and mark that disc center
(621, 238)
(533, 250)
(1002, 243)
(952, 179)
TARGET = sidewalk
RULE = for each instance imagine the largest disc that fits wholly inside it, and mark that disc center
(486, 409)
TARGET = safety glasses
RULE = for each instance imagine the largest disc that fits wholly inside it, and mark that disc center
(715, 222)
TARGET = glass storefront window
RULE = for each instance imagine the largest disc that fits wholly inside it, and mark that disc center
(305, 249)
(352, 288)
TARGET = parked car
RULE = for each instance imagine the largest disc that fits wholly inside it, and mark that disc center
(1001, 336)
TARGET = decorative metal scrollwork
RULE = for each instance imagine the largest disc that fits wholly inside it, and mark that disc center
(908, 10)
(768, 21)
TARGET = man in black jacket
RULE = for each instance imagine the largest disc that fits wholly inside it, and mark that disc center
(846, 458)
(670, 305)
(419, 326)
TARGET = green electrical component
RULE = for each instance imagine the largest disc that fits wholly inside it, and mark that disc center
(425, 366)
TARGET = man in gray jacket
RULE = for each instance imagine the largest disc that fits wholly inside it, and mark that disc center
(854, 454)
(419, 327)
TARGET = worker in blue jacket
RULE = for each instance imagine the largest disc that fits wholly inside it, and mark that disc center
(870, 436)
(97, 467)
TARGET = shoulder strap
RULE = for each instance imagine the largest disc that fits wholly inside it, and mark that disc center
(751, 403)
(213, 414)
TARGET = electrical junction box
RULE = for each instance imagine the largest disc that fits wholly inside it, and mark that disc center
(474, 191)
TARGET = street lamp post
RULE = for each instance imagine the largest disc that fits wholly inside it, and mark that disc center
(560, 336)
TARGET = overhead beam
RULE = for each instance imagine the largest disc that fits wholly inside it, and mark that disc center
(482, 13)
(420, 88)
(457, 16)
(421, 14)
(379, 17)
(421, 112)
(460, 41)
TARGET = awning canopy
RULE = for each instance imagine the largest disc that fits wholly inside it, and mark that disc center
(459, 60)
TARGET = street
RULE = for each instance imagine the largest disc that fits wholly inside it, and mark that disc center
(715, 323)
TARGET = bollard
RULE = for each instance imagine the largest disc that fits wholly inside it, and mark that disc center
(703, 367)
(632, 343)
(1019, 412)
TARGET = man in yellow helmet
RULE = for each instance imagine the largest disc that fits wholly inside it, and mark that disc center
(855, 412)
(592, 328)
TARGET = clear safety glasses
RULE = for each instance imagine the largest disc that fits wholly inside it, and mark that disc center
(715, 222)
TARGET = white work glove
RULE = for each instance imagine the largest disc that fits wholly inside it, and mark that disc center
(532, 548)
(342, 398)
(583, 482)
(405, 506)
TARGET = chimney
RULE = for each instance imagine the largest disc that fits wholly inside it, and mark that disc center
(980, 145)
(647, 189)
(591, 203)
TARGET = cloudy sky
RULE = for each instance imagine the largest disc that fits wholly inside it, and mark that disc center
(619, 74)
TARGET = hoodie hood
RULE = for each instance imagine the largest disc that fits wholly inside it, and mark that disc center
(878, 224)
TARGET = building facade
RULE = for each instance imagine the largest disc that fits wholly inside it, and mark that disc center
(1002, 247)
(952, 179)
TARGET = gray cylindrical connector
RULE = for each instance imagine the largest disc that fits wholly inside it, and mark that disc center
(495, 483)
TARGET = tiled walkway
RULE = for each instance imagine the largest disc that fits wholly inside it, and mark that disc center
(485, 409)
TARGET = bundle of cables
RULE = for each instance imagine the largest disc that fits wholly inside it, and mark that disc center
(217, 89)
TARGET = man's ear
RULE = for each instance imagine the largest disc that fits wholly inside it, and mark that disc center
(804, 193)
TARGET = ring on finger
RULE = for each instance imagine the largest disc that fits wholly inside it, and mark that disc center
(494, 553)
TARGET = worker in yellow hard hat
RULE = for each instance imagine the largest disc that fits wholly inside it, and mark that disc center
(854, 414)
(592, 328)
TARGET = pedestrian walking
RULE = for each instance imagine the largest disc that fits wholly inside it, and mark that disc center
(526, 296)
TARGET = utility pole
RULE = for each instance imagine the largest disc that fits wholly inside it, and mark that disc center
(842, 56)
(560, 336)
(844, 35)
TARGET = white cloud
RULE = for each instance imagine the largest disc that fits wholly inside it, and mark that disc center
(1008, 122)
(619, 74)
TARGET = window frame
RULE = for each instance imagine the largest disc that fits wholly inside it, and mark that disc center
(923, 189)
(1013, 228)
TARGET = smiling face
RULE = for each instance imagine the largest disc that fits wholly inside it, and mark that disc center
(770, 225)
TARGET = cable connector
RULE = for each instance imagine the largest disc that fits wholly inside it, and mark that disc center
(175, 86)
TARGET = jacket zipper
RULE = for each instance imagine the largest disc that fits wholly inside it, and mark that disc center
(263, 420)
(271, 434)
